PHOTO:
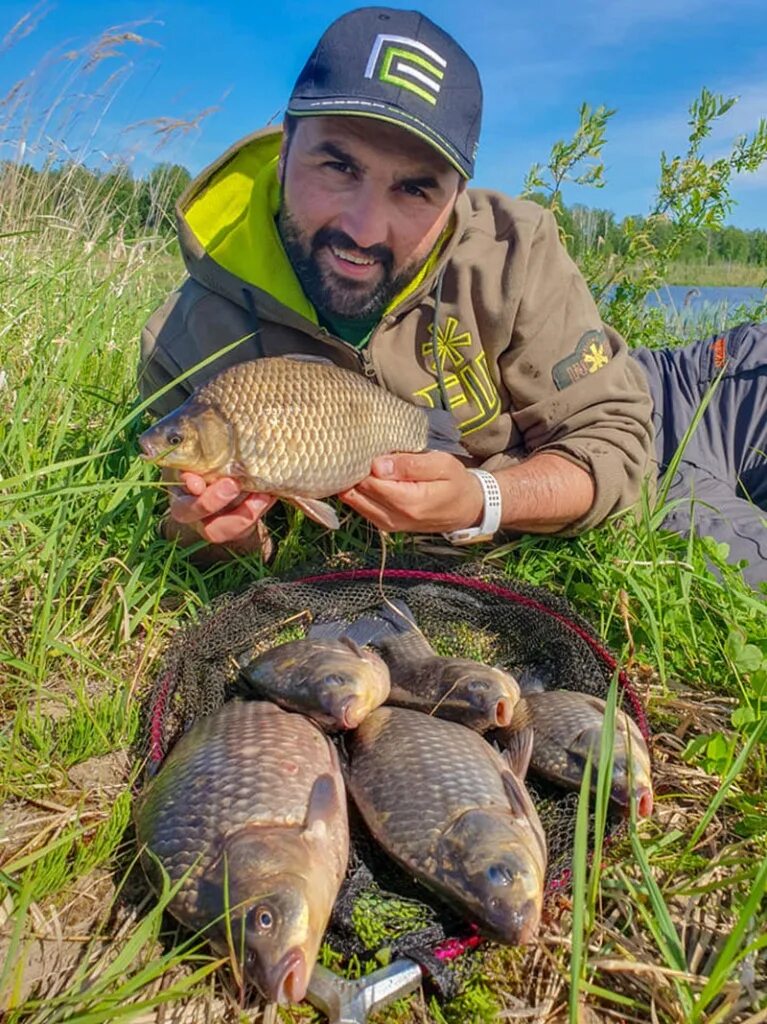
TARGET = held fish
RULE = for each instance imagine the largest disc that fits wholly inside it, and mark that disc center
(334, 682)
(566, 727)
(248, 813)
(301, 429)
(479, 696)
(454, 812)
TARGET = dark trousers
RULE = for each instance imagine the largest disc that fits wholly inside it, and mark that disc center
(720, 486)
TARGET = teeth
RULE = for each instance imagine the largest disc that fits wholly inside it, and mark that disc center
(362, 261)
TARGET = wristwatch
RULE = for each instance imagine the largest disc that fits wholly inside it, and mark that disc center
(491, 516)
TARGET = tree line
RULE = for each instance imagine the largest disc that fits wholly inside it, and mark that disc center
(98, 203)
(587, 229)
(105, 202)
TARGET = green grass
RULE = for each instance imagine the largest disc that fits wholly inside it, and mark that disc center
(90, 596)
(723, 274)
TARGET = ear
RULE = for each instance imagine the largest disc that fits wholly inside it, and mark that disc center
(462, 184)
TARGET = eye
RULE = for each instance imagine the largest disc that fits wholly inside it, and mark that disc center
(175, 439)
(499, 874)
(336, 680)
(261, 919)
(477, 686)
(340, 166)
(413, 190)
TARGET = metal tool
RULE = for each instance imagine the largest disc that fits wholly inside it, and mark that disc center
(350, 1002)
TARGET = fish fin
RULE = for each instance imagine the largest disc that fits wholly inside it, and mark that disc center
(307, 357)
(353, 646)
(387, 625)
(365, 631)
(444, 435)
(333, 629)
(401, 630)
(323, 804)
(519, 750)
(516, 791)
(520, 801)
(317, 510)
(522, 807)
(588, 741)
(529, 680)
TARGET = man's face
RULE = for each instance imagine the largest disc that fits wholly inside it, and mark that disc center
(363, 205)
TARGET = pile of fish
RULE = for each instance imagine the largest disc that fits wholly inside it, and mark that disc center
(248, 814)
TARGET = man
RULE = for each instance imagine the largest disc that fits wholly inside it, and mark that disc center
(351, 235)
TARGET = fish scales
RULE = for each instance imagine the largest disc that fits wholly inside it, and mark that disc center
(453, 772)
(318, 426)
(446, 805)
(248, 762)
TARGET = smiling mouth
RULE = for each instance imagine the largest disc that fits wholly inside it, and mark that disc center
(351, 257)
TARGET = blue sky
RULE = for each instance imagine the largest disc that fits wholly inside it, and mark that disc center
(538, 61)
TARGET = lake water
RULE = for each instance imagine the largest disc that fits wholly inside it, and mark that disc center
(697, 299)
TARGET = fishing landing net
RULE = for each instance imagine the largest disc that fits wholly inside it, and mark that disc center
(474, 612)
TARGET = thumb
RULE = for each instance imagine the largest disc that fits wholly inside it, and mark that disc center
(420, 466)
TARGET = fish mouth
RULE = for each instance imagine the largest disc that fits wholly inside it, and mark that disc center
(148, 449)
(352, 713)
(504, 712)
(644, 802)
(288, 980)
(521, 925)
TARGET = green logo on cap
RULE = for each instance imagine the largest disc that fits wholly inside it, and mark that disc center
(408, 64)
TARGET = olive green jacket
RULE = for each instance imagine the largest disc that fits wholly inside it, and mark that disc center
(526, 364)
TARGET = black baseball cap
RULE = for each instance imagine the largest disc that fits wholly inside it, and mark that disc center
(399, 67)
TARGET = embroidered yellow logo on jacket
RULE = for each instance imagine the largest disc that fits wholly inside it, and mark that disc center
(467, 380)
(591, 354)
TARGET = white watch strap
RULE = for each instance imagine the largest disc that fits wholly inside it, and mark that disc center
(491, 518)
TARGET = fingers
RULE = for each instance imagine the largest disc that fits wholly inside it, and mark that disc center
(256, 541)
(221, 512)
(237, 523)
(193, 483)
(375, 513)
(206, 501)
(451, 501)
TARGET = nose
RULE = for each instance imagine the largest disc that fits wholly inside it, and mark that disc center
(365, 217)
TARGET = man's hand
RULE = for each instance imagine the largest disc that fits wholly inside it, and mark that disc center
(433, 492)
(429, 492)
(220, 513)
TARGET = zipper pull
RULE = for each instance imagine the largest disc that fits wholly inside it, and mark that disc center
(367, 365)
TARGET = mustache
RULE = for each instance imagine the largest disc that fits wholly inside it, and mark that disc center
(340, 240)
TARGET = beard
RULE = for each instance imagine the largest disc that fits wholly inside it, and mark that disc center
(330, 293)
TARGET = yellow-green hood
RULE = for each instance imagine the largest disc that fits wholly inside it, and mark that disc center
(226, 221)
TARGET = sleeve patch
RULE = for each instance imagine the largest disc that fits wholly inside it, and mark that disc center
(591, 353)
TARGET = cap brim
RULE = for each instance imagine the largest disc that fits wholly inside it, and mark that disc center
(356, 107)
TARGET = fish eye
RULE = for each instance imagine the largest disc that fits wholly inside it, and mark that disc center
(261, 919)
(336, 680)
(499, 874)
(175, 439)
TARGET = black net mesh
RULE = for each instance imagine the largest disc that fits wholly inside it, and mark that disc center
(473, 612)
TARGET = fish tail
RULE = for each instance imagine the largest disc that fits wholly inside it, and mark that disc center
(444, 435)
(386, 622)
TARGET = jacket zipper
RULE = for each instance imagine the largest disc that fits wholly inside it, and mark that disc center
(367, 363)
(362, 354)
